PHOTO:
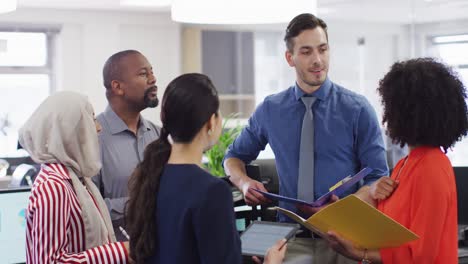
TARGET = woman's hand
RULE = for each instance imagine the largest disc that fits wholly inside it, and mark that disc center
(382, 188)
(275, 254)
(343, 246)
(127, 247)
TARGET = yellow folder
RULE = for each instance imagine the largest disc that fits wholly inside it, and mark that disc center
(358, 222)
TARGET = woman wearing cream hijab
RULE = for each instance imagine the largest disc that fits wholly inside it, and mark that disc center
(67, 220)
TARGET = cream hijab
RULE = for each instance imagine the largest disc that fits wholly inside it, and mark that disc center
(62, 130)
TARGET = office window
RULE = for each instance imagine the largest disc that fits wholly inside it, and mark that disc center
(23, 49)
(453, 50)
(25, 81)
(227, 57)
(245, 67)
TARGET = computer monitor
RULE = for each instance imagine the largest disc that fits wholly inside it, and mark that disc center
(461, 178)
(13, 203)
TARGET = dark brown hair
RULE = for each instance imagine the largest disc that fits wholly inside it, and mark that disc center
(188, 103)
(300, 23)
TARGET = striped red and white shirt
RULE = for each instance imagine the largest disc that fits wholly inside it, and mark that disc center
(55, 229)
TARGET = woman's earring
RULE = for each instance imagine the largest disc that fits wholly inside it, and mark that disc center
(209, 132)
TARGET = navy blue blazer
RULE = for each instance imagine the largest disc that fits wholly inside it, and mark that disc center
(195, 218)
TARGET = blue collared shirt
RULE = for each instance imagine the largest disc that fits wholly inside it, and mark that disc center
(347, 138)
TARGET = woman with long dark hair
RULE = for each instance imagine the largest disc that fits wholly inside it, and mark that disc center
(177, 212)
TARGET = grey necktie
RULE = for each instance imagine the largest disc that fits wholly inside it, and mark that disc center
(305, 181)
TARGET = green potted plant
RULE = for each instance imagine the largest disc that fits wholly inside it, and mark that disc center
(216, 154)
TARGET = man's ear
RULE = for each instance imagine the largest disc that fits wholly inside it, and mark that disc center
(116, 88)
(288, 55)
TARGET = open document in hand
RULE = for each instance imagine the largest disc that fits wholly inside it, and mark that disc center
(337, 189)
(357, 221)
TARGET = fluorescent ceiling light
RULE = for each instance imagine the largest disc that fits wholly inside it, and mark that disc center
(239, 11)
(7, 6)
(450, 39)
(145, 3)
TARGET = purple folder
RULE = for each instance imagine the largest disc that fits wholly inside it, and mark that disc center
(346, 184)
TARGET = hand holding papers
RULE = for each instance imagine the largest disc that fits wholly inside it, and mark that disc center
(307, 211)
(251, 196)
(357, 221)
(337, 189)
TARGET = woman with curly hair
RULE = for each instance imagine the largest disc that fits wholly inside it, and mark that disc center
(424, 107)
(178, 212)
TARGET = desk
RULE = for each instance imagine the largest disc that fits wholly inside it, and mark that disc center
(463, 255)
(243, 211)
(462, 243)
(312, 251)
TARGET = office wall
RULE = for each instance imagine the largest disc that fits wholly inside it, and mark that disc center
(424, 31)
(423, 34)
(360, 67)
(88, 38)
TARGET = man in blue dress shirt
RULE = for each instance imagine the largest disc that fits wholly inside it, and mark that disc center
(347, 134)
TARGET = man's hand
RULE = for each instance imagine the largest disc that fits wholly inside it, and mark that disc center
(382, 188)
(236, 168)
(309, 211)
(252, 197)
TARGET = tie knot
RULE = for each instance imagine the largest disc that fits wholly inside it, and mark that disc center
(308, 101)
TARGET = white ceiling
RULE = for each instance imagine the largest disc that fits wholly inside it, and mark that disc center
(397, 11)
(95, 5)
(401, 11)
